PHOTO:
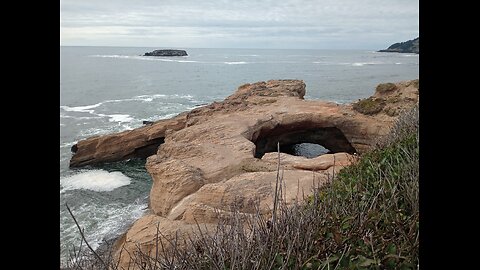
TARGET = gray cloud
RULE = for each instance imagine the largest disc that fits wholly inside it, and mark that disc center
(362, 24)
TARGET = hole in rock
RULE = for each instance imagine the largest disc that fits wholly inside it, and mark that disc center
(308, 150)
(148, 149)
(307, 142)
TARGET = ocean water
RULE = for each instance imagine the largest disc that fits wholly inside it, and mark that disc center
(111, 89)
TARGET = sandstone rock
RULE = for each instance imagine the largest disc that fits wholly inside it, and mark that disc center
(319, 163)
(253, 112)
(178, 181)
(216, 158)
(140, 142)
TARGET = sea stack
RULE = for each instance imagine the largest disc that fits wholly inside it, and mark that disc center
(167, 53)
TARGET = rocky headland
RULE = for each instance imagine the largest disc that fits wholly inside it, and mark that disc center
(166, 53)
(410, 46)
(222, 156)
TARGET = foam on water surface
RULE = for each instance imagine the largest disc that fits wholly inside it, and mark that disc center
(96, 180)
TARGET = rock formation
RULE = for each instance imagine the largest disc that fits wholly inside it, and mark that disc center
(410, 46)
(167, 53)
(220, 157)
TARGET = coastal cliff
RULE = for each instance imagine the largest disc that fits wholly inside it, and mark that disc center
(207, 160)
(410, 46)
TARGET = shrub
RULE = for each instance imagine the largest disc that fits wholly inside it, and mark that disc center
(385, 87)
(369, 106)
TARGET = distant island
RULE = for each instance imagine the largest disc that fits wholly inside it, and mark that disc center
(411, 46)
(167, 53)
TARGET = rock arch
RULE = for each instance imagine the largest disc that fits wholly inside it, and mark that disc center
(331, 138)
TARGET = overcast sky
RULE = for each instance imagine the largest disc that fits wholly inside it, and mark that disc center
(302, 24)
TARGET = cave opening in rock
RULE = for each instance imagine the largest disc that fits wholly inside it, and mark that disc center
(298, 141)
(308, 150)
(149, 149)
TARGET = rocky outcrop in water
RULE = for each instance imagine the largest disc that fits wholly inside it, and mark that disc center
(265, 111)
(167, 53)
(410, 46)
(220, 157)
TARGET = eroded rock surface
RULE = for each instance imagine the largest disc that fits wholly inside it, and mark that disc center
(223, 156)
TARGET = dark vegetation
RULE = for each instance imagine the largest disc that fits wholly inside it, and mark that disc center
(369, 106)
(385, 87)
(410, 46)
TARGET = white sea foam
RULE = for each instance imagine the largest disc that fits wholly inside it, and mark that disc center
(64, 157)
(96, 180)
(151, 96)
(81, 108)
(144, 58)
(329, 63)
(120, 118)
(93, 132)
(235, 63)
(167, 116)
(148, 98)
(183, 96)
(398, 63)
(104, 221)
(140, 98)
(110, 220)
(117, 217)
(157, 59)
(109, 56)
(67, 144)
(194, 107)
(160, 116)
(127, 127)
(103, 130)
(360, 64)
(79, 117)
